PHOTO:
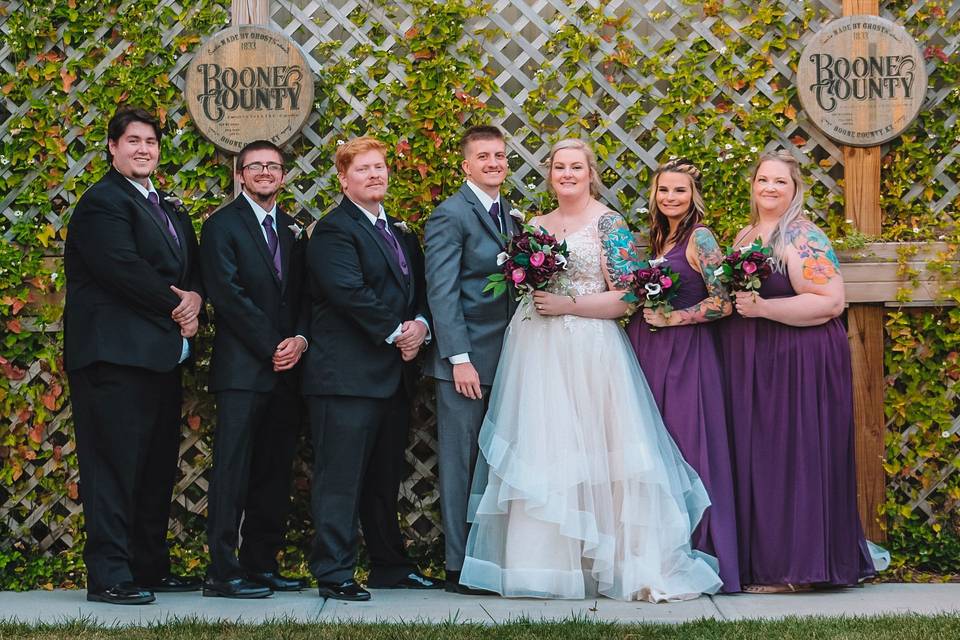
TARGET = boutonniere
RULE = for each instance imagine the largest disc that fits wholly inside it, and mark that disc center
(296, 229)
(174, 202)
(403, 226)
(517, 215)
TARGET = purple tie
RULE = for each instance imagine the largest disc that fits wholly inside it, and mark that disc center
(273, 242)
(381, 226)
(161, 215)
(495, 216)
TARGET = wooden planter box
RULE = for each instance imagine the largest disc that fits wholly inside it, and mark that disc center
(874, 273)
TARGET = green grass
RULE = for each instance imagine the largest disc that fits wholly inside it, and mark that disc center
(940, 627)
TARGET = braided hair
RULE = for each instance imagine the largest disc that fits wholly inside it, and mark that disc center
(659, 225)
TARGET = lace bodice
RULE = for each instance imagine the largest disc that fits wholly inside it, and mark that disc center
(584, 273)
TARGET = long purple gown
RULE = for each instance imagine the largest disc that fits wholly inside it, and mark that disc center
(790, 408)
(682, 367)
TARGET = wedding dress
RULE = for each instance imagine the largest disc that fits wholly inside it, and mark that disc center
(579, 489)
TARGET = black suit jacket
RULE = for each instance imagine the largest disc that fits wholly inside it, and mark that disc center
(119, 264)
(358, 297)
(253, 309)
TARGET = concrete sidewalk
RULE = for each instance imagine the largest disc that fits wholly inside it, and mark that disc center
(434, 606)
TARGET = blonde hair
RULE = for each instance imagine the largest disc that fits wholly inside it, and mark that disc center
(778, 238)
(659, 226)
(579, 145)
(350, 149)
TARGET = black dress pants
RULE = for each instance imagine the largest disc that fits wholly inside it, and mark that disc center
(358, 446)
(249, 497)
(127, 423)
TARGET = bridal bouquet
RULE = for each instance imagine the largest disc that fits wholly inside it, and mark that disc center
(746, 268)
(532, 260)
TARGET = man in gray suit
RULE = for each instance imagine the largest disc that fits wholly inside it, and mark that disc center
(463, 237)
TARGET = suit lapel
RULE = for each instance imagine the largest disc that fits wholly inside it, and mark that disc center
(481, 213)
(286, 244)
(361, 219)
(249, 218)
(144, 207)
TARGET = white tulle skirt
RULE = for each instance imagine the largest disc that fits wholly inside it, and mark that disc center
(579, 489)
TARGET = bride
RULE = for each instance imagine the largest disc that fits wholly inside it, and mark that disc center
(580, 490)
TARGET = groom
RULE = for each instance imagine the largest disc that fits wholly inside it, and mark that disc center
(463, 237)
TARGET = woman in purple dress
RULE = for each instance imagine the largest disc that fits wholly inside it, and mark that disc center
(680, 359)
(790, 404)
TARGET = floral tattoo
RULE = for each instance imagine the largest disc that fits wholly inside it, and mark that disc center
(618, 248)
(819, 262)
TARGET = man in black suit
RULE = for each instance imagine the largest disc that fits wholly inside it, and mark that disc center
(253, 265)
(133, 297)
(368, 321)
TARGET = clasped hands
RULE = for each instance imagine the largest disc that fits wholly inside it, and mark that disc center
(186, 313)
(412, 335)
(288, 353)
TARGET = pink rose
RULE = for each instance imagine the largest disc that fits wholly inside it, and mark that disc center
(518, 275)
(537, 259)
(749, 267)
(666, 282)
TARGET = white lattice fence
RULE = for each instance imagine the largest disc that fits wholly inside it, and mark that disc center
(521, 51)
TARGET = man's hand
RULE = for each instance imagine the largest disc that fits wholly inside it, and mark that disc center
(189, 307)
(288, 353)
(190, 328)
(466, 380)
(412, 335)
(409, 354)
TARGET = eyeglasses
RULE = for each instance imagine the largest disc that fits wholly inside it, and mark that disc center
(259, 167)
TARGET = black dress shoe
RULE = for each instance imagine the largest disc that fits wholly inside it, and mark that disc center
(348, 590)
(413, 580)
(275, 581)
(173, 584)
(452, 585)
(122, 593)
(235, 588)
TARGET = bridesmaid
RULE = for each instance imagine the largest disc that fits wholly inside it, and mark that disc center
(787, 366)
(681, 362)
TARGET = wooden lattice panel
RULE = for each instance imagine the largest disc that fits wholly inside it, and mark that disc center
(514, 57)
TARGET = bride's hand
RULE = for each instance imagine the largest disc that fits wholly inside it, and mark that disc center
(550, 304)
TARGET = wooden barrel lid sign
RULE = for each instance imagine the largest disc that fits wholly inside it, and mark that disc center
(249, 83)
(861, 80)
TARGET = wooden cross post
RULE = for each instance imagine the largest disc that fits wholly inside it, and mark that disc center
(865, 324)
(247, 12)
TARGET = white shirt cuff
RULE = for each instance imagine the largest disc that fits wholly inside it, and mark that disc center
(460, 358)
(306, 343)
(396, 334)
(427, 325)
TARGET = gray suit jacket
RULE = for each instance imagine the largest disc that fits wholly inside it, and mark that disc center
(461, 251)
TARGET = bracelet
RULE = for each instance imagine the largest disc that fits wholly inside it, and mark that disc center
(573, 297)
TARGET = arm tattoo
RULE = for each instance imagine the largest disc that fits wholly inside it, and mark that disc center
(709, 256)
(818, 260)
(619, 250)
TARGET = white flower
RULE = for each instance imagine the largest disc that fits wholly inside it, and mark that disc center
(402, 226)
(945, 434)
(54, 276)
(941, 237)
(502, 257)
(517, 214)
(653, 289)
(849, 220)
(656, 262)
(4, 161)
(838, 241)
(718, 271)
(561, 261)
(728, 146)
(296, 229)
(173, 200)
(340, 142)
(753, 149)
(916, 229)
(179, 132)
